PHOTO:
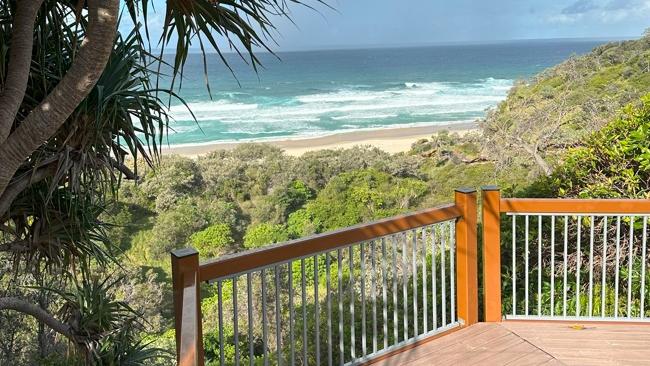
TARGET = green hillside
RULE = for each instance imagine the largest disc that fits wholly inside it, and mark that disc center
(555, 110)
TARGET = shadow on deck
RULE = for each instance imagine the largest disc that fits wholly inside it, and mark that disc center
(533, 343)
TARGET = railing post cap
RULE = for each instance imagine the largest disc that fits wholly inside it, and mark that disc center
(466, 190)
(490, 188)
(184, 252)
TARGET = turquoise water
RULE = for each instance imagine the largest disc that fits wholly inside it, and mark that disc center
(324, 92)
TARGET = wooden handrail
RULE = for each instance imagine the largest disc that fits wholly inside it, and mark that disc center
(279, 253)
(575, 206)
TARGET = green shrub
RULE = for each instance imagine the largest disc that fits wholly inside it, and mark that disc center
(119, 219)
(613, 162)
(295, 195)
(265, 234)
(363, 195)
(175, 179)
(301, 224)
(174, 227)
(212, 241)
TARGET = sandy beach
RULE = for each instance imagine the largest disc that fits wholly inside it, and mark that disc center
(392, 140)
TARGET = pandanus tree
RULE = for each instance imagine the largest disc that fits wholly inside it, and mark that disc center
(77, 99)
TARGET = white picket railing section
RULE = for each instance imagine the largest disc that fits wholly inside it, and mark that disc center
(578, 267)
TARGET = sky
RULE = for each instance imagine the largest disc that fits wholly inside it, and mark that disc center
(371, 23)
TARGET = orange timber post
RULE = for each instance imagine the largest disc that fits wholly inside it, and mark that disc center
(187, 307)
(466, 258)
(491, 217)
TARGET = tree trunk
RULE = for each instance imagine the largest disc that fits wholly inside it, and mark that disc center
(22, 306)
(20, 60)
(19, 184)
(539, 160)
(43, 122)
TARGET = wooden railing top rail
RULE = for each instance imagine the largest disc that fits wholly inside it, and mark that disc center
(574, 206)
(279, 253)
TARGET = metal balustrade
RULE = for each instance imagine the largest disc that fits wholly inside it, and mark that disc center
(565, 259)
(295, 322)
(578, 266)
(341, 298)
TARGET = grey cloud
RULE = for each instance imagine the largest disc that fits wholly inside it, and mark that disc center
(580, 7)
(620, 4)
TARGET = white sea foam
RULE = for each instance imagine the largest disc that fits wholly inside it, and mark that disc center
(412, 102)
(338, 97)
(364, 116)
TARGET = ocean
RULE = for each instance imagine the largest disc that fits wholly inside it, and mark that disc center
(313, 93)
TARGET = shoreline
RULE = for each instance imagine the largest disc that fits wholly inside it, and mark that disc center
(391, 140)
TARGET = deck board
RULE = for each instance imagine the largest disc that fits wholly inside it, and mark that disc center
(533, 343)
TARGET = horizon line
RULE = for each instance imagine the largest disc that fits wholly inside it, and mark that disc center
(197, 50)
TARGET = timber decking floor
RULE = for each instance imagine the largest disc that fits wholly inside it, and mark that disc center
(533, 343)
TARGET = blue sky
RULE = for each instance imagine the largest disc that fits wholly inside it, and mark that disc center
(359, 23)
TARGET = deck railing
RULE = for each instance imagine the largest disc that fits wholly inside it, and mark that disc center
(362, 293)
(340, 298)
(565, 259)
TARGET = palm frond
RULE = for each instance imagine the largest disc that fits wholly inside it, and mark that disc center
(243, 26)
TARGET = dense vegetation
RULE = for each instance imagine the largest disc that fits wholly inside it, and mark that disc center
(256, 195)
(612, 163)
(555, 110)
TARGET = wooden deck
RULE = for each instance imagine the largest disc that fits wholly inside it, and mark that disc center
(533, 343)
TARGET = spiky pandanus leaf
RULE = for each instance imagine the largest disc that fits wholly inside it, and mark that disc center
(50, 209)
